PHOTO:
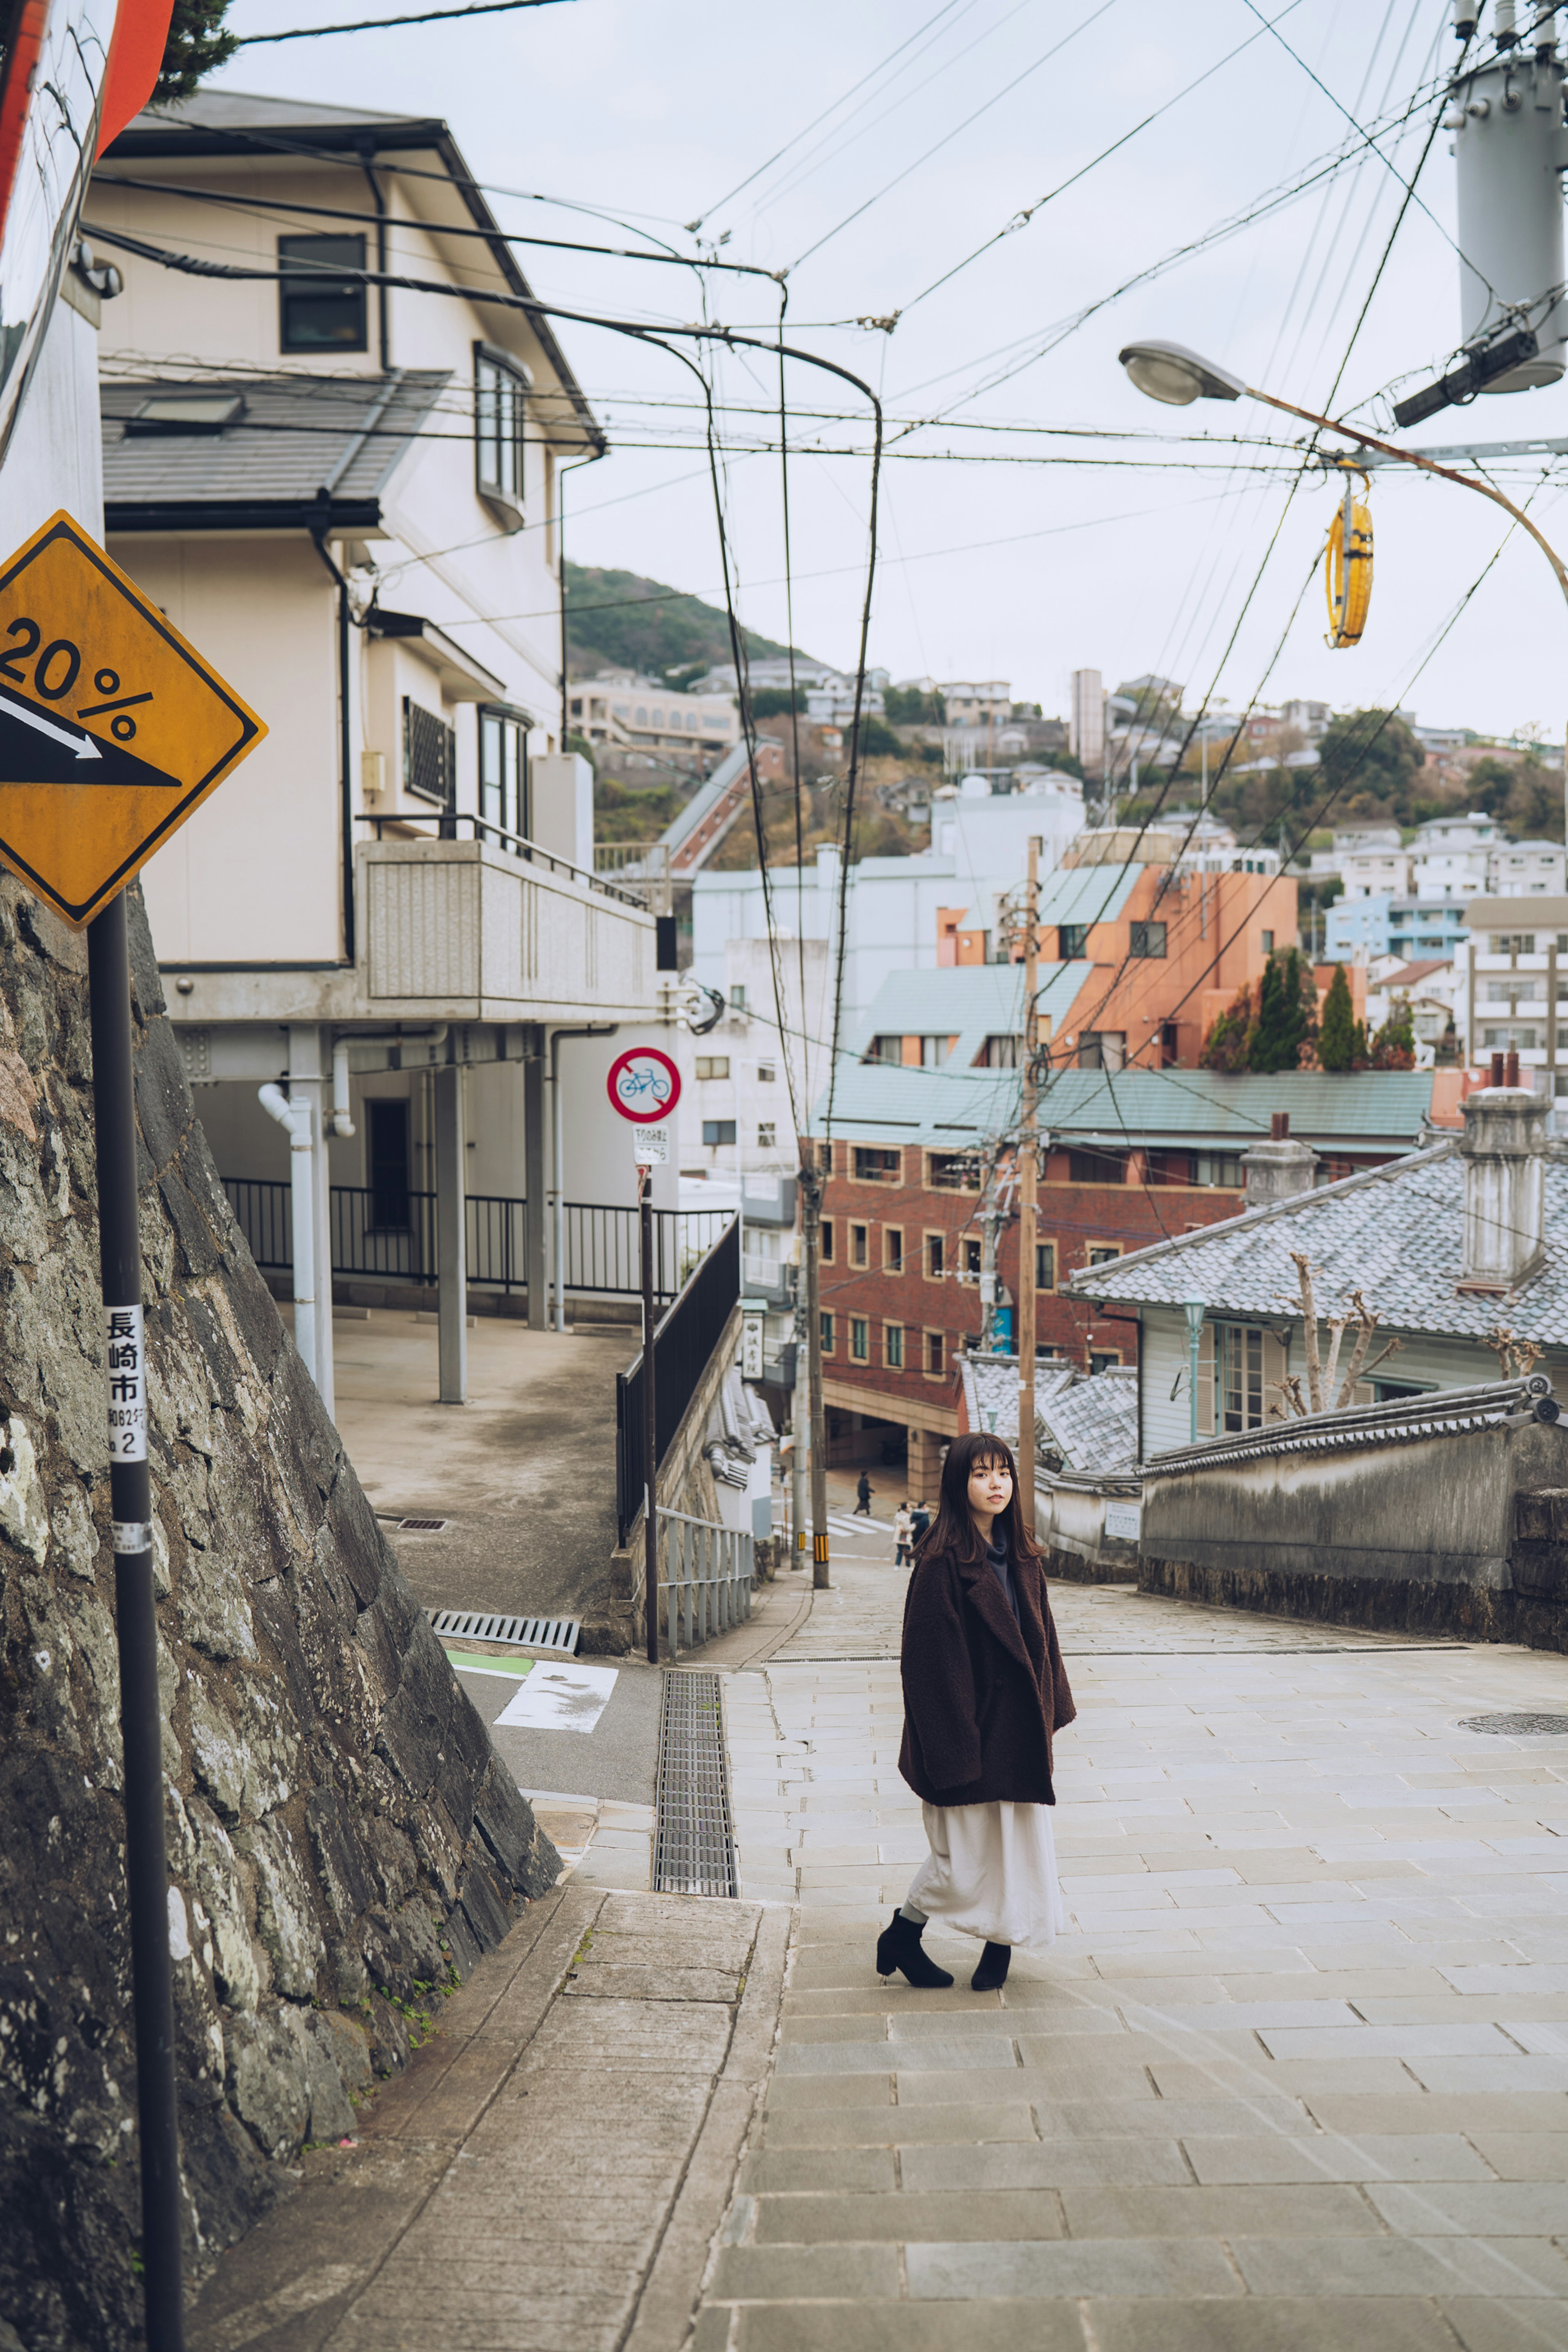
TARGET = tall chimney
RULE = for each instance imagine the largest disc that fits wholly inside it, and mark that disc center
(1278, 1170)
(1504, 1146)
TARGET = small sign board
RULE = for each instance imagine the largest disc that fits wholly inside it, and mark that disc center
(644, 1084)
(751, 1326)
(113, 729)
(1124, 1519)
(650, 1147)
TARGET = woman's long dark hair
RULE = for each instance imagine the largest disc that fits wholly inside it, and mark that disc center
(953, 1531)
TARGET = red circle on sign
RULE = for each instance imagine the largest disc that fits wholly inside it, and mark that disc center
(643, 1084)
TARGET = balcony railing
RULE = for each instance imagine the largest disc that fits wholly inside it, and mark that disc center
(396, 1240)
(639, 867)
(412, 825)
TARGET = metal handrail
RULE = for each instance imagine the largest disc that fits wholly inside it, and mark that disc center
(706, 1572)
(514, 842)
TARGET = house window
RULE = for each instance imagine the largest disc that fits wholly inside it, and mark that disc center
(935, 1352)
(1072, 941)
(860, 1340)
(1146, 939)
(1000, 1052)
(1104, 1253)
(712, 1065)
(738, 997)
(1097, 1167)
(316, 311)
(857, 1242)
(935, 1256)
(766, 1073)
(1266, 939)
(717, 1130)
(766, 1131)
(824, 1323)
(503, 772)
(1102, 1049)
(429, 755)
(1101, 1360)
(886, 1049)
(825, 1249)
(875, 1165)
(934, 1052)
(1240, 1377)
(893, 1346)
(1045, 1265)
(952, 1172)
(968, 1260)
(892, 1249)
(498, 428)
(387, 1155)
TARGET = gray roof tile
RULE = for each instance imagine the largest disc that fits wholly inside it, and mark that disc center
(1396, 1232)
(296, 430)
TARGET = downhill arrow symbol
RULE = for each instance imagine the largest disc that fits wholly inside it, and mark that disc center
(37, 749)
(81, 745)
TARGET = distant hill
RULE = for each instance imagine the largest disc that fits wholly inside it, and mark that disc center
(618, 620)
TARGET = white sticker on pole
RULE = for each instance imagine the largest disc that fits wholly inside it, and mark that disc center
(125, 1362)
(650, 1146)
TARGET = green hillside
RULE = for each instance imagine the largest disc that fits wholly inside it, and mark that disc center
(619, 620)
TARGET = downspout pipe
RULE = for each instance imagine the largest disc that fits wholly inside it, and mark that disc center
(342, 1120)
(593, 1029)
(345, 730)
(295, 1115)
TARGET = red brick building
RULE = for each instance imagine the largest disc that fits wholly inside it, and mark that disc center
(1128, 1160)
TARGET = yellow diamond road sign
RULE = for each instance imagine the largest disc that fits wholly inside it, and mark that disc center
(113, 729)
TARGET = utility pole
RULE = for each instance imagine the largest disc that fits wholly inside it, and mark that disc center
(1028, 1172)
(800, 1454)
(811, 1252)
(989, 1221)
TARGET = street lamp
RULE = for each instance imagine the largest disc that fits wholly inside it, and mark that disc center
(1195, 1310)
(1172, 374)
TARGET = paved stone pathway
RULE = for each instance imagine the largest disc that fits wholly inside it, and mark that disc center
(1295, 2079)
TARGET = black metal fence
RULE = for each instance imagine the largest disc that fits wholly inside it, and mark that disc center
(684, 1340)
(601, 1242)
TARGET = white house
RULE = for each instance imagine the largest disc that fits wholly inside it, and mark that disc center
(346, 493)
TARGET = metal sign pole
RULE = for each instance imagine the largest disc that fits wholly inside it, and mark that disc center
(649, 1418)
(131, 1507)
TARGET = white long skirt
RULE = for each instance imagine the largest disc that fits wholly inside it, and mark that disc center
(992, 1872)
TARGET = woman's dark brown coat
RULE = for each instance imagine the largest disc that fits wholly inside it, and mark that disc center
(983, 1692)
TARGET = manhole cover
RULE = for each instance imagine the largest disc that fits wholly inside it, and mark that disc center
(530, 1632)
(1517, 1726)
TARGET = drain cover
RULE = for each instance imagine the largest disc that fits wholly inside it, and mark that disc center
(1517, 1726)
(422, 1526)
(693, 1850)
(533, 1633)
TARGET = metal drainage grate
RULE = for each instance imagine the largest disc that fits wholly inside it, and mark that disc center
(422, 1526)
(533, 1633)
(1518, 1727)
(693, 1846)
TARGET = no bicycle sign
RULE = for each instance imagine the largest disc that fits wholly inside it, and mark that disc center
(644, 1084)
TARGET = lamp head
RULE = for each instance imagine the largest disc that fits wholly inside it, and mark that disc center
(1171, 372)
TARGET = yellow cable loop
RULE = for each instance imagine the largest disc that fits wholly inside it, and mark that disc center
(1347, 566)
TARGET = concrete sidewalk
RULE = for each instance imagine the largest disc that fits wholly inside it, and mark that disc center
(1296, 2078)
(549, 2174)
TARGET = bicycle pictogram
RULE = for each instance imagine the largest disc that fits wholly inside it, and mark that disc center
(643, 1082)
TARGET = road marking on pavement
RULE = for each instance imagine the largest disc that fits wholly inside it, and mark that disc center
(510, 1667)
(560, 1697)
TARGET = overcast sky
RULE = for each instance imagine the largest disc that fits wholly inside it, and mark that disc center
(997, 557)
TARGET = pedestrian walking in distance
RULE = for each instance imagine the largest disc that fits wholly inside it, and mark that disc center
(983, 1693)
(863, 1496)
(920, 1520)
(903, 1529)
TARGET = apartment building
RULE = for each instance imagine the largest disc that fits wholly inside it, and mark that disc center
(335, 488)
(1512, 987)
(920, 1155)
(622, 708)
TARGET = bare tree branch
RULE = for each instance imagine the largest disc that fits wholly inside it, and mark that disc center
(1309, 1317)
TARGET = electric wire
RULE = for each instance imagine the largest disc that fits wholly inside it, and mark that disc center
(380, 24)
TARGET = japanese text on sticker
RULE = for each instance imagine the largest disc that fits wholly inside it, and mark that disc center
(125, 1360)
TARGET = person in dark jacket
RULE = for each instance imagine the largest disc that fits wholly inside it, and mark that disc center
(985, 1692)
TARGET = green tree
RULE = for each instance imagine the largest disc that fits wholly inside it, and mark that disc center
(775, 702)
(912, 706)
(1284, 1015)
(196, 45)
(1393, 1047)
(1336, 1033)
(1370, 760)
(1224, 1047)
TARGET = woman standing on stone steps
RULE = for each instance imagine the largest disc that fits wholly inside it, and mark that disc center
(984, 1691)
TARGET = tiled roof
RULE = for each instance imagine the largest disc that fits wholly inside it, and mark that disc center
(1090, 1420)
(1409, 973)
(1192, 1105)
(1396, 1232)
(969, 1002)
(295, 432)
(876, 1102)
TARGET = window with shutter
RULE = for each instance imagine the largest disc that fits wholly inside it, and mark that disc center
(1206, 1381)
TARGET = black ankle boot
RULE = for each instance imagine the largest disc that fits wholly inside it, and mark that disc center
(992, 1973)
(899, 1946)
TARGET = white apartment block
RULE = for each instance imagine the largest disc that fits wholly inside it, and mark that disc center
(1512, 995)
(1085, 724)
(620, 707)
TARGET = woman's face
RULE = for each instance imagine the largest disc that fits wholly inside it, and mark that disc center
(990, 1487)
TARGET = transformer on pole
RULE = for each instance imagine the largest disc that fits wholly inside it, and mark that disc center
(1511, 150)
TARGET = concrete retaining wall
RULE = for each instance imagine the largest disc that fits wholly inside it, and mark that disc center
(1460, 1530)
(1071, 1522)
